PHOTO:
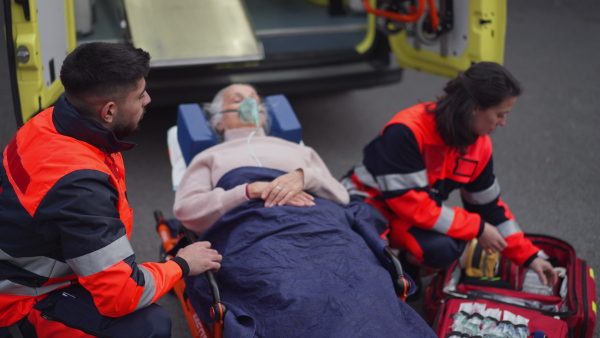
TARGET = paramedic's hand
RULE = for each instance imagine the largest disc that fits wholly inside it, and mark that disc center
(545, 271)
(200, 257)
(285, 188)
(491, 241)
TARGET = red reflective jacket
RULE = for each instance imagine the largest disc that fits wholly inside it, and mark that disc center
(69, 219)
(408, 172)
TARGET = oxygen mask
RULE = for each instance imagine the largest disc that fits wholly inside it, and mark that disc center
(248, 112)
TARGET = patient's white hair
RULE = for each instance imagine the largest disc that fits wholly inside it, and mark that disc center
(213, 109)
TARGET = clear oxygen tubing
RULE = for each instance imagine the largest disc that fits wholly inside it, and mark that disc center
(249, 112)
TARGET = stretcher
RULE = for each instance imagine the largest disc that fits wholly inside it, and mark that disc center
(184, 142)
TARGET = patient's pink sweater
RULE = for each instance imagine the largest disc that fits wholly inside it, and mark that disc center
(198, 204)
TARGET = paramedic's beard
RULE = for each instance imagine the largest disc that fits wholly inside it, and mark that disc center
(126, 131)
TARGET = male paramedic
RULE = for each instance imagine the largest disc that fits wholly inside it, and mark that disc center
(67, 268)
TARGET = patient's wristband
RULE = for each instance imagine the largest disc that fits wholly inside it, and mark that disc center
(247, 192)
(183, 264)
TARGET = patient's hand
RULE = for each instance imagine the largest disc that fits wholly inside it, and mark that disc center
(200, 258)
(286, 189)
(302, 199)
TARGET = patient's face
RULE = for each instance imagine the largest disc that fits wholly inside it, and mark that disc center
(232, 98)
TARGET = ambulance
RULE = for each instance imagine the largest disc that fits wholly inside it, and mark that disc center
(280, 46)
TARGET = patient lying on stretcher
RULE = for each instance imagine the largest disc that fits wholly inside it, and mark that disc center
(298, 259)
(198, 204)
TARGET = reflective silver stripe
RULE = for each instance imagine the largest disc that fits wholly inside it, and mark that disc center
(351, 187)
(364, 176)
(40, 265)
(508, 228)
(484, 196)
(149, 289)
(443, 223)
(403, 181)
(102, 259)
(347, 183)
(10, 288)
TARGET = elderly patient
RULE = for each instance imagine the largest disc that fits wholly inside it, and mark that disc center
(298, 259)
(198, 204)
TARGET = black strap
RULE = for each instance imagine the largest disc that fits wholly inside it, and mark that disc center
(14, 331)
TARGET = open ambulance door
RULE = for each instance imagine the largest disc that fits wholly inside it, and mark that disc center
(441, 37)
(39, 35)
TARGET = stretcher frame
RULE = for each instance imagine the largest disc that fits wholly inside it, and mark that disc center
(197, 327)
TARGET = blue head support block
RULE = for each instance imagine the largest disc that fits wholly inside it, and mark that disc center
(194, 133)
(284, 123)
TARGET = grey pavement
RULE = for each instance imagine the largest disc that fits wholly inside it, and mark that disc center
(546, 158)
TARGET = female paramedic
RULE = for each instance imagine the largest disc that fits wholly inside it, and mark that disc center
(235, 113)
(425, 152)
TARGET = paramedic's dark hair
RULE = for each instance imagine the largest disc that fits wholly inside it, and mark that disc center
(103, 70)
(483, 85)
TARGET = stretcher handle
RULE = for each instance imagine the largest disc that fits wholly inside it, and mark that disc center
(214, 288)
(158, 216)
(401, 284)
(218, 308)
(164, 231)
(191, 238)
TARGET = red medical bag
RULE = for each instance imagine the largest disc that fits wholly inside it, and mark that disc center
(571, 301)
(552, 327)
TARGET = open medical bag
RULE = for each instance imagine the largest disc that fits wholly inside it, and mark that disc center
(567, 309)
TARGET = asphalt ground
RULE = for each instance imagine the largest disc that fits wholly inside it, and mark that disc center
(546, 158)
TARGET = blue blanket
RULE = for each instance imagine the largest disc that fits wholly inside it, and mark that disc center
(302, 272)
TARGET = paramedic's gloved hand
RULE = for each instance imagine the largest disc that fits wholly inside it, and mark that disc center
(491, 241)
(285, 190)
(545, 271)
(200, 258)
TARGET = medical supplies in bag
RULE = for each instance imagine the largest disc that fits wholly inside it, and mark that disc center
(488, 319)
(572, 301)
